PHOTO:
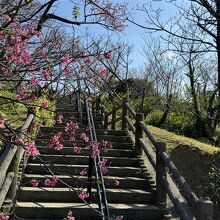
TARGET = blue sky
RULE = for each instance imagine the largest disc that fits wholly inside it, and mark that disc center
(132, 33)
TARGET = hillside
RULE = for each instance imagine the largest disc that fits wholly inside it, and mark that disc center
(194, 159)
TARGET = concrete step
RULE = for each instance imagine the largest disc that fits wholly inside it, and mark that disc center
(81, 181)
(86, 151)
(98, 131)
(76, 169)
(115, 145)
(57, 194)
(58, 211)
(110, 138)
(68, 114)
(84, 160)
(66, 107)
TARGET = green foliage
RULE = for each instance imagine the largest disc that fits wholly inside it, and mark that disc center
(213, 186)
(148, 106)
(175, 122)
(44, 116)
(76, 12)
(13, 112)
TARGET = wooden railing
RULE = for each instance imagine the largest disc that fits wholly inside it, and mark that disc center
(164, 167)
(9, 165)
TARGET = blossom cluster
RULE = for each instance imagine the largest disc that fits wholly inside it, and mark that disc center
(84, 137)
(3, 216)
(48, 181)
(70, 129)
(55, 141)
(31, 149)
(94, 145)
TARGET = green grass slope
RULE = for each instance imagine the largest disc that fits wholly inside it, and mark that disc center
(194, 160)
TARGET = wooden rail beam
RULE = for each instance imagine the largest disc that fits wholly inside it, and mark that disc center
(204, 209)
(106, 121)
(113, 117)
(124, 125)
(161, 175)
(138, 133)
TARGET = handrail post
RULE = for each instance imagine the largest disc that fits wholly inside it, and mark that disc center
(204, 209)
(124, 125)
(113, 117)
(161, 174)
(106, 121)
(102, 113)
(98, 105)
(138, 132)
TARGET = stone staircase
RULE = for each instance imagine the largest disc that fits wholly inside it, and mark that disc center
(134, 197)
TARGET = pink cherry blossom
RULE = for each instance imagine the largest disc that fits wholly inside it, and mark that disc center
(57, 79)
(70, 216)
(83, 195)
(84, 137)
(102, 162)
(68, 70)
(94, 153)
(6, 17)
(4, 216)
(97, 56)
(54, 122)
(108, 54)
(103, 169)
(119, 217)
(94, 144)
(76, 149)
(85, 54)
(55, 141)
(32, 150)
(2, 122)
(34, 182)
(72, 136)
(8, 134)
(18, 97)
(83, 172)
(89, 99)
(71, 126)
(104, 143)
(116, 182)
(44, 104)
(60, 119)
(58, 147)
(102, 72)
(65, 59)
(34, 82)
(46, 73)
(51, 182)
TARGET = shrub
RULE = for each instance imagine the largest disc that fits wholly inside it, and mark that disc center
(176, 122)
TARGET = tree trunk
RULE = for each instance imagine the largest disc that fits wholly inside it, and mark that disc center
(166, 112)
(142, 100)
(198, 123)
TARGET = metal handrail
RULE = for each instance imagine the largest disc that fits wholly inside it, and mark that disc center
(103, 204)
(93, 163)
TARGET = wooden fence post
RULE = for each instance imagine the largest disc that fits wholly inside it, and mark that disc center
(204, 209)
(106, 121)
(102, 113)
(113, 117)
(161, 174)
(98, 105)
(124, 125)
(138, 132)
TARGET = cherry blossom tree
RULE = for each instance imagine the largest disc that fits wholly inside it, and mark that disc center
(35, 56)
